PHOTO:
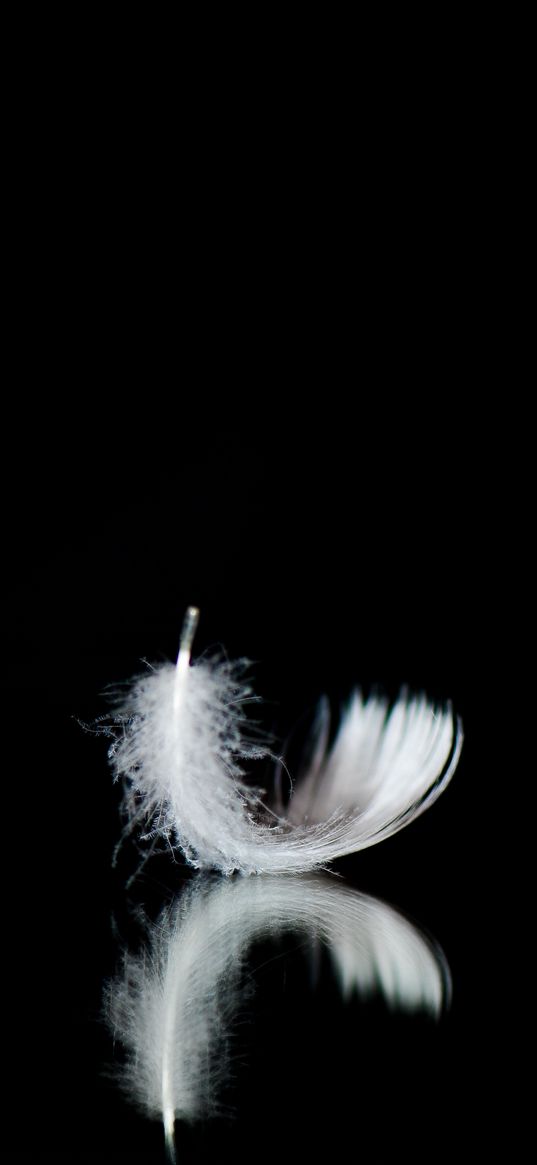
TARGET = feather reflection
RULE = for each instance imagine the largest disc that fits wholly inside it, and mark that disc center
(173, 1005)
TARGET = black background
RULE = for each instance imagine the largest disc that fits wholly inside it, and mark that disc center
(287, 401)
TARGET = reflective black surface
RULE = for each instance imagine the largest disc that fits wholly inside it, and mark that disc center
(329, 566)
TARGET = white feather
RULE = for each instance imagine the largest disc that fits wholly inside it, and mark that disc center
(173, 1006)
(182, 743)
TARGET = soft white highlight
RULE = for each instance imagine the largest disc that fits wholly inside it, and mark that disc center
(182, 744)
(173, 1005)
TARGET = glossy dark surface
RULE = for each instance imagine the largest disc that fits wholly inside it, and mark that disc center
(332, 558)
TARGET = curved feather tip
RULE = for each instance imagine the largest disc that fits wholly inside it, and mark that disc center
(182, 742)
